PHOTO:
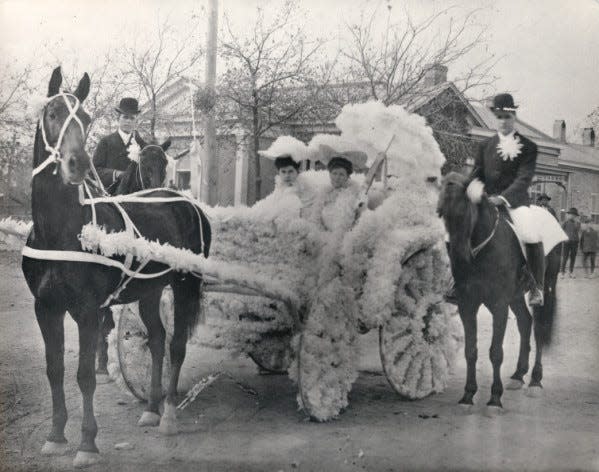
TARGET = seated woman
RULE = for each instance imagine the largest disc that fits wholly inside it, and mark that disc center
(337, 203)
(292, 196)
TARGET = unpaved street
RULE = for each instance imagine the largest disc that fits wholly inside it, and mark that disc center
(227, 428)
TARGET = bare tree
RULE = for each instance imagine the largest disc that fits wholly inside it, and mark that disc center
(271, 76)
(393, 61)
(156, 63)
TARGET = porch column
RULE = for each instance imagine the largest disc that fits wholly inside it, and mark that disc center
(241, 167)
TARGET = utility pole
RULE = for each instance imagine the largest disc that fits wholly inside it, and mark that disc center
(209, 154)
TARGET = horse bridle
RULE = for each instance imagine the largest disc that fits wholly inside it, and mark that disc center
(141, 179)
(479, 247)
(55, 157)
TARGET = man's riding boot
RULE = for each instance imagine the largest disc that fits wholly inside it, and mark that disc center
(451, 295)
(536, 263)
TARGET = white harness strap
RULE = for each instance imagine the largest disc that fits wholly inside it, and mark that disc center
(54, 151)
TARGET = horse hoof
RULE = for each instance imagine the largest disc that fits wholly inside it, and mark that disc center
(149, 418)
(85, 459)
(54, 449)
(465, 408)
(514, 384)
(534, 391)
(168, 427)
(492, 411)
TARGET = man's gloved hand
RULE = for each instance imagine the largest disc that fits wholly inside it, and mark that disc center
(495, 200)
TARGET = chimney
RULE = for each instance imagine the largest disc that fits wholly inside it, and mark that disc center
(435, 74)
(559, 131)
(588, 137)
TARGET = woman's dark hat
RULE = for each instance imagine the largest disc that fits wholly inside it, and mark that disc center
(128, 106)
(286, 160)
(573, 211)
(503, 102)
(543, 196)
(340, 162)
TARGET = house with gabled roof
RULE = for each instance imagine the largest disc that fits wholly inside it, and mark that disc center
(568, 173)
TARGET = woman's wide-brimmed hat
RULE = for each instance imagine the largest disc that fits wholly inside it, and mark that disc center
(348, 159)
(573, 211)
(128, 106)
(286, 151)
(503, 102)
(544, 196)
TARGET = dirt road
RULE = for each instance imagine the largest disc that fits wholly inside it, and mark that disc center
(227, 428)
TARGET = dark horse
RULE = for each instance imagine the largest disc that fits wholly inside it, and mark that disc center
(61, 283)
(496, 277)
(148, 173)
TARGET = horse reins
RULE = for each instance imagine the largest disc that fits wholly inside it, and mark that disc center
(474, 251)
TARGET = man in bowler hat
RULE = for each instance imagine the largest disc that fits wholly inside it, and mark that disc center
(506, 163)
(543, 201)
(115, 151)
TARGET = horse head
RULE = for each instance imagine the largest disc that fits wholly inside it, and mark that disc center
(458, 207)
(63, 128)
(152, 164)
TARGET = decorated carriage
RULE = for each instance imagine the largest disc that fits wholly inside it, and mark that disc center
(303, 293)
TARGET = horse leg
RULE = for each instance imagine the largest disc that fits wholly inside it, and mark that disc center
(186, 293)
(524, 320)
(534, 387)
(149, 310)
(496, 353)
(468, 312)
(106, 325)
(51, 323)
(87, 322)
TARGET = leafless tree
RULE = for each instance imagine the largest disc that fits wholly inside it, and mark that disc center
(271, 76)
(152, 65)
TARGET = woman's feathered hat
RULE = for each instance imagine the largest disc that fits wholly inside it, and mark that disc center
(285, 151)
(334, 151)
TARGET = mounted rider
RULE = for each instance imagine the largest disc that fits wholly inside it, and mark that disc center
(506, 163)
(115, 152)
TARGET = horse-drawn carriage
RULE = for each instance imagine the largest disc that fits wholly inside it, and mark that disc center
(386, 273)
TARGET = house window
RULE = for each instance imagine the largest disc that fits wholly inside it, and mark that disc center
(595, 207)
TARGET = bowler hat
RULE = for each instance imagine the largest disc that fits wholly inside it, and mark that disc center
(128, 106)
(544, 196)
(503, 102)
(573, 211)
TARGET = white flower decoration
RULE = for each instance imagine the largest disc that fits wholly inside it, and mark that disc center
(509, 148)
(133, 151)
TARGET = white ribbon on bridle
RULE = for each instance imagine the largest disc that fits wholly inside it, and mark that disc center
(55, 157)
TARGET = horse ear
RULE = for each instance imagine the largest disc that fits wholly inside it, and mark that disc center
(83, 88)
(165, 145)
(55, 81)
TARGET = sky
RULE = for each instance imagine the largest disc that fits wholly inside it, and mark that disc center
(548, 49)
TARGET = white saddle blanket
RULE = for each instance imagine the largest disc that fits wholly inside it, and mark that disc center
(534, 224)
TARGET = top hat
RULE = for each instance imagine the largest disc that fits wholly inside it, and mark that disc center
(544, 196)
(573, 211)
(503, 102)
(128, 106)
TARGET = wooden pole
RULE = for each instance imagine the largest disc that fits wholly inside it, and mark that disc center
(208, 183)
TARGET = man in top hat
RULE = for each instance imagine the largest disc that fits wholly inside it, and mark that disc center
(572, 228)
(115, 151)
(506, 163)
(543, 201)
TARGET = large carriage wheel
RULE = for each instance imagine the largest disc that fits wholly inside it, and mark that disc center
(134, 355)
(417, 343)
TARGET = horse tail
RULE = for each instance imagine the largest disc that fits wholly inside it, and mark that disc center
(544, 316)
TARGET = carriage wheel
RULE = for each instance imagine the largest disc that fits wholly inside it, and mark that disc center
(418, 342)
(134, 355)
(273, 352)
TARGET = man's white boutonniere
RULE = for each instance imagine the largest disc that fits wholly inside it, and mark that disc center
(509, 148)
(133, 151)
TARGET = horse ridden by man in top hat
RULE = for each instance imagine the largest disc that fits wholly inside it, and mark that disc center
(116, 151)
(488, 220)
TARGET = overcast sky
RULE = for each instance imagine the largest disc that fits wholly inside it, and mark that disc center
(549, 48)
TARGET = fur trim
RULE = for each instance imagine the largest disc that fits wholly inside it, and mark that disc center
(475, 191)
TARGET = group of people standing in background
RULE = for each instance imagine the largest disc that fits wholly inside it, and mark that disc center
(581, 234)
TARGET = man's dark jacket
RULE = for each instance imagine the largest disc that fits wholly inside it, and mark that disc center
(508, 178)
(111, 154)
